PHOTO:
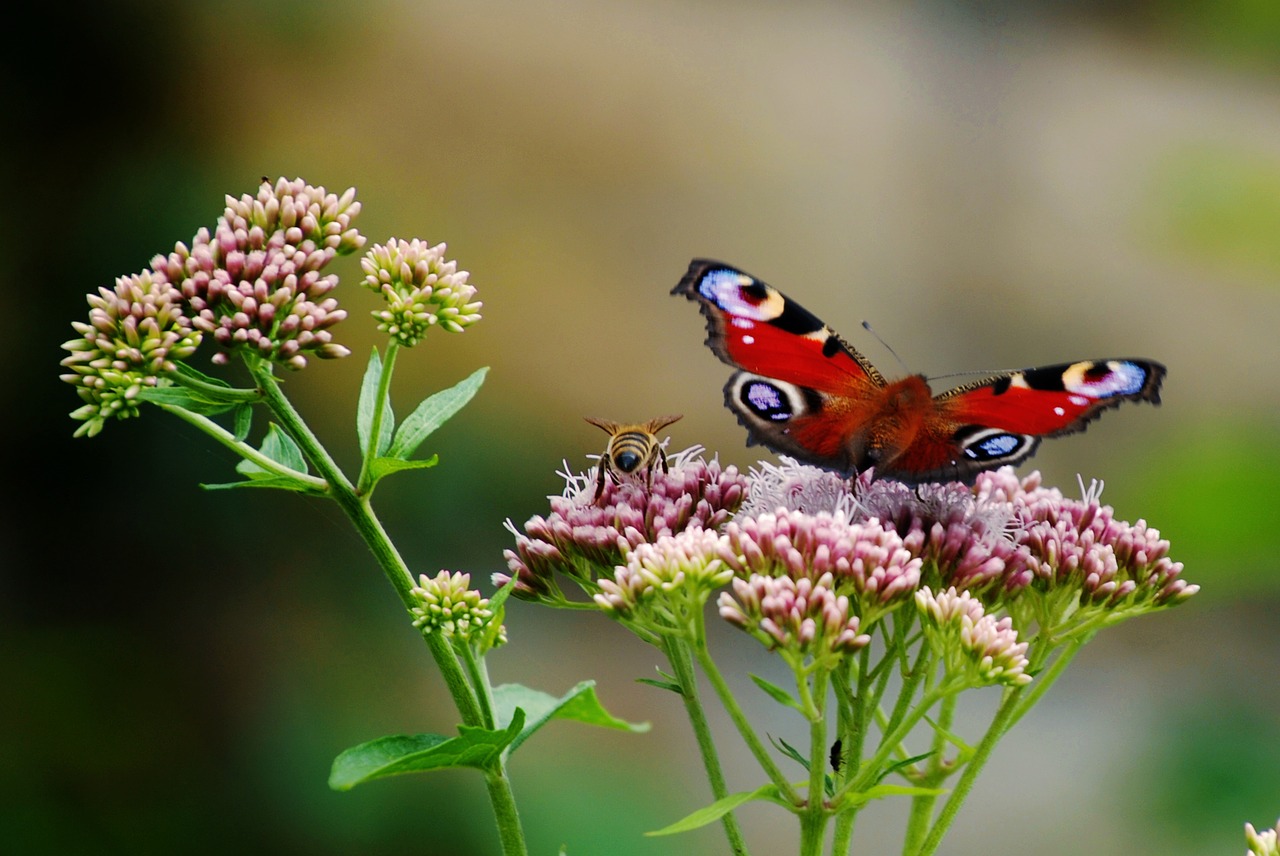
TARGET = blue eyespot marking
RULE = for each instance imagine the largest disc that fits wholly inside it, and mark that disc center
(767, 401)
(994, 446)
(739, 295)
(1109, 379)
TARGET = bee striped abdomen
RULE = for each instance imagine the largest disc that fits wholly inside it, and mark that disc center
(631, 448)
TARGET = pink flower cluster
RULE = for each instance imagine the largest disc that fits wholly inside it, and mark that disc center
(256, 283)
(1080, 544)
(804, 617)
(874, 544)
(687, 561)
(582, 538)
(962, 629)
(135, 333)
(865, 558)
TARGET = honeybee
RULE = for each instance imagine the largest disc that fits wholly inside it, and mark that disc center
(630, 448)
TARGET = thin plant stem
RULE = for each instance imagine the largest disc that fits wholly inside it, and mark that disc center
(813, 820)
(999, 725)
(503, 801)
(226, 438)
(678, 656)
(853, 735)
(739, 719)
(935, 772)
(479, 677)
(1014, 706)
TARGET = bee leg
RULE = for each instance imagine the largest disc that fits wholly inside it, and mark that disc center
(662, 456)
(599, 482)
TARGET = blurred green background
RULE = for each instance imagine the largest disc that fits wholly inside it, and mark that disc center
(991, 184)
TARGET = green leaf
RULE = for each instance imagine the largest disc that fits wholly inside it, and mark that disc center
(899, 765)
(790, 751)
(196, 375)
(777, 693)
(667, 682)
(500, 597)
(853, 799)
(662, 685)
(279, 482)
(720, 808)
(432, 413)
(396, 755)
(243, 420)
(177, 396)
(364, 409)
(386, 466)
(279, 447)
(579, 704)
(966, 751)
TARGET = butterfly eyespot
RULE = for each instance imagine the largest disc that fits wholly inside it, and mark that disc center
(992, 444)
(740, 296)
(767, 401)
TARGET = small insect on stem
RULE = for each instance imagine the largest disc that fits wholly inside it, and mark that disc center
(631, 447)
(837, 756)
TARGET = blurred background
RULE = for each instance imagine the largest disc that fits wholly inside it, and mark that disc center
(990, 184)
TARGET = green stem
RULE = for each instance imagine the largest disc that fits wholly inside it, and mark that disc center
(226, 438)
(1014, 707)
(872, 770)
(853, 736)
(216, 391)
(999, 725)
(677, 652)
(359, 511)
(478, 674)
(739, 719)
(813, 820)
(504, 809)
(1046, 677)
(379, 413)
(935, 772)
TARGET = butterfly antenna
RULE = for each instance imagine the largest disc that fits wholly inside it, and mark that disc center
(972, 372)
(866, 325)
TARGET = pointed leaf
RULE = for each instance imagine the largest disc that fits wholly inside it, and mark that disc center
(432, 413)
(178, 396)
(966, 751)
(279, 447)
(273, 481)
(720, 808)
(197, 375)
(364, 409)
(416, 753)
(579, 704)
(900, 765)
(662, 685)
(853, 799)
(500, 597)
(777, 693)
(386, 466)
(243, 421)
(790, 751)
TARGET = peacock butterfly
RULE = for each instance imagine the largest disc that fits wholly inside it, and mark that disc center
(802, 391)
